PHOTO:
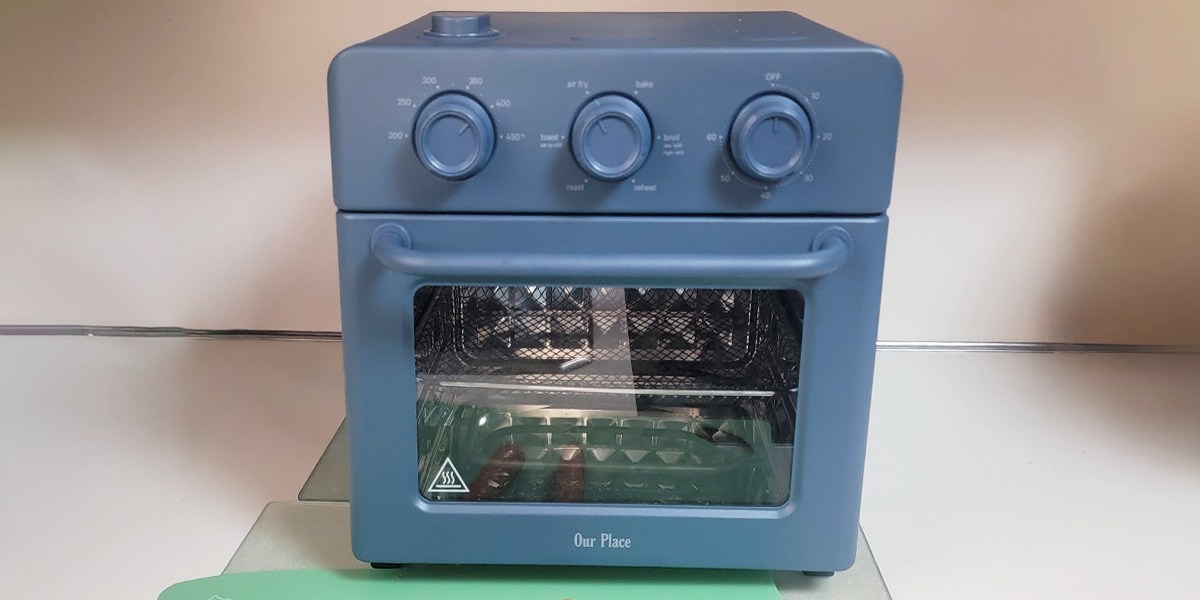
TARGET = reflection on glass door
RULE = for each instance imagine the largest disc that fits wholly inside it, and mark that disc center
(607, 395)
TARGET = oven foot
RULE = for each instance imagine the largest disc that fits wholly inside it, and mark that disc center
(818, 573)
(387, 566)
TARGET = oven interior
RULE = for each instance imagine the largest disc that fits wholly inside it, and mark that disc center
(607, 394)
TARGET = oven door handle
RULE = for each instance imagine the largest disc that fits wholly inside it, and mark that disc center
(393, 248)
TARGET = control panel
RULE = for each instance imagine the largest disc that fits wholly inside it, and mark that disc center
(747, 113)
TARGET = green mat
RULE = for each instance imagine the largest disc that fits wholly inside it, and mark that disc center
(482, 583)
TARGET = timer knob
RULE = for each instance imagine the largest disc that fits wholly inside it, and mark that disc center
(770, 137)
(611, 137)
(454, 136)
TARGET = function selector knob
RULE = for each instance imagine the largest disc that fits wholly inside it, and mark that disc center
(611, 137)
(770, 137)
(454, 136)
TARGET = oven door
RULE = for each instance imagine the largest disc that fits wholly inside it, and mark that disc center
(652, 391)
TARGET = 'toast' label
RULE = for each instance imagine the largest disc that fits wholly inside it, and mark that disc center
(606, 541)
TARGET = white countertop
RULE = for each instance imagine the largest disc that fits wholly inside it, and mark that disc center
(132, 463)
(1035, 475)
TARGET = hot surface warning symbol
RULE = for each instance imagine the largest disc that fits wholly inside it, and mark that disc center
(448, 480)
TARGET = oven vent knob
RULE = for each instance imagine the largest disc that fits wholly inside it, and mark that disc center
(770, 137)
(454, 136)
(611, 137)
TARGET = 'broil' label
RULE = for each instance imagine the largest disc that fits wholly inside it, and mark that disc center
(606, 540)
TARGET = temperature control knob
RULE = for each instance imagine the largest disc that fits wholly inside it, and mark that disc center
(454, 136)
(770, 137)
(611, 137)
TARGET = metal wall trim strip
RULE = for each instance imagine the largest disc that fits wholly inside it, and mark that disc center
(167, 332)
(333, 336)
(1036, 347)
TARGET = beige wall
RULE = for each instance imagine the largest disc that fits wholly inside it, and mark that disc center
(166, 163)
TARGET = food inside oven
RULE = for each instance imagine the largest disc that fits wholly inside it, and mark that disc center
(607, 395)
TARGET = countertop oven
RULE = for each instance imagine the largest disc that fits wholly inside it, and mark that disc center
(610, 286)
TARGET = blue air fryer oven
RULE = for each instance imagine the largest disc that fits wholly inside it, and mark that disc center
(610, 286)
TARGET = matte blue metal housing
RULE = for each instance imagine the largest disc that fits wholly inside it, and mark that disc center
(524, 219)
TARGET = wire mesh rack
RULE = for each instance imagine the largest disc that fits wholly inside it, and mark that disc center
(671, 338)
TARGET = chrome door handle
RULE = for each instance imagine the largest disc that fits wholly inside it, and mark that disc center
(393, 248)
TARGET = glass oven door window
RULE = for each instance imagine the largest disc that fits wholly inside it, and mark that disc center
(607, 395)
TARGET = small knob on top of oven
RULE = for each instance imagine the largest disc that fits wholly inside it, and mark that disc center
(449, 24)
(454, 136)
(770, 137)
(611, 137)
